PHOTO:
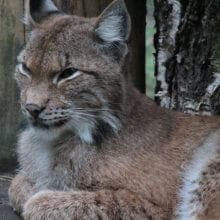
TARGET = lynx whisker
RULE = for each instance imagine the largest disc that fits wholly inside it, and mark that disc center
(84, 114)
(96, 110)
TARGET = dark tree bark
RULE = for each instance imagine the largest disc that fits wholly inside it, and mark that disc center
(188, 36)
(137, 9)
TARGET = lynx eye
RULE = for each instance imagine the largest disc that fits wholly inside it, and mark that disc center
(67, 74)
(24, 70)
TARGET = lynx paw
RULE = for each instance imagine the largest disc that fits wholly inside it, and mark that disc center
(54, 205)
(43, 206)
(19, 191)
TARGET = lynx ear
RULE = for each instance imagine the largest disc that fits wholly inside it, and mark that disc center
(114, 23)
(36, 10)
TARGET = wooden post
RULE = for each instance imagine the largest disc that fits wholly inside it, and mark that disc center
(11, 41)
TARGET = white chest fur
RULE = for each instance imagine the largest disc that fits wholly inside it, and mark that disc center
(42, 163)
(36, 156)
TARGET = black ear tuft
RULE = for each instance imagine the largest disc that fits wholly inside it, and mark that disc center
(35, 6)
(36, 10)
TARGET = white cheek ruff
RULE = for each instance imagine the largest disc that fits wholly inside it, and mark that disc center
(73, 76)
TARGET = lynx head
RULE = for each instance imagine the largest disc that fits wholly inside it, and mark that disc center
(70, 72)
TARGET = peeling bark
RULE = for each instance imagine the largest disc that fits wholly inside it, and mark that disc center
(188, 35)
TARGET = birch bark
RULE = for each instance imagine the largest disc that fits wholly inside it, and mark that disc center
(187, 42)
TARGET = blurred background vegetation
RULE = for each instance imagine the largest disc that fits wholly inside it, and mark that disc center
(150, 63)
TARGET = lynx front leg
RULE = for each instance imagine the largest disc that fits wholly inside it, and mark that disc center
(82, 205)
(20, 191)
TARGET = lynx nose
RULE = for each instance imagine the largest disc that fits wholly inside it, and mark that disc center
(34, 110)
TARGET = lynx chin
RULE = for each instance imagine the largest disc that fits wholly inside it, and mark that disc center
(95, 148)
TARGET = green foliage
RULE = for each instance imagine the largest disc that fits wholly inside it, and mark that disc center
(150, 63)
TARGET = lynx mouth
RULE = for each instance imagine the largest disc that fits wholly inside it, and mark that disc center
(49, 125)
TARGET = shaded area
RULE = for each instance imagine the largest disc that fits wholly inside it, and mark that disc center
(11, 41)
(6, 212)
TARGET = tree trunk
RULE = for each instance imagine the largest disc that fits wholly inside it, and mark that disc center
(187, 39)
(137, 9)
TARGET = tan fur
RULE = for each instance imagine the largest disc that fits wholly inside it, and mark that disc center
(134, 172)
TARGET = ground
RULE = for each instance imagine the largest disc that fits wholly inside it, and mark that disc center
(6, 212)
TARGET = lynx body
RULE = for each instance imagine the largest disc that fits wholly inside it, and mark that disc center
(95, 148)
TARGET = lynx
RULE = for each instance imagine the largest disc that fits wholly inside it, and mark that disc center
(94, 147)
